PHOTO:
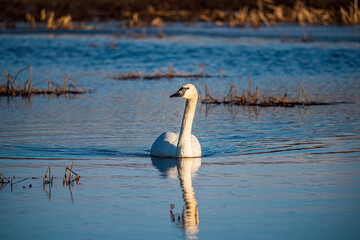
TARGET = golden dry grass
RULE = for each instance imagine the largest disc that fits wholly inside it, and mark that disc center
(170, 72)
(68, 180)
(255, 98)
(11, 87)
(266, 12)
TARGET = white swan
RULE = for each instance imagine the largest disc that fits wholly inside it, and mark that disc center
(183, 144)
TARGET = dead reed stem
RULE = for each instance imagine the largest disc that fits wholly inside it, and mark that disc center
(50, 178)
(71, 178)
(72, 165)
(2, 177)
(299, 96)
(356, 14)
(258, 94)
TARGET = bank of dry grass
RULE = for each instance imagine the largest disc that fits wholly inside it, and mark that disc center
(61, 14)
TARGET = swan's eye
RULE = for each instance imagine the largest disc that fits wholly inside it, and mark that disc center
(183, 90)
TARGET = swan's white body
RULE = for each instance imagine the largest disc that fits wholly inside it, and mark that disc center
(183, 144)
(166, 146)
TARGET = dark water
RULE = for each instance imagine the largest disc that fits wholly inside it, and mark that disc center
(265, 173)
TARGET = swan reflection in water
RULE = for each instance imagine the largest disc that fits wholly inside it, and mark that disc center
(184, 168)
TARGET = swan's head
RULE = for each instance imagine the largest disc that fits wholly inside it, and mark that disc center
(187, 91)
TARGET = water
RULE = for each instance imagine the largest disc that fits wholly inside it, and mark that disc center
(265, 172)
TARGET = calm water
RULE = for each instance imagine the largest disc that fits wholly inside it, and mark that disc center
(266, 173)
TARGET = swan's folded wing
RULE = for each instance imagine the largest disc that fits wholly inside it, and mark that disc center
(195, 146)
(165, 145)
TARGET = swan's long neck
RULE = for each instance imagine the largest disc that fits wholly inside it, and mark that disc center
(184, 148)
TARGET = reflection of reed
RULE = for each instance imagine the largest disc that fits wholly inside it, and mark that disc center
(71, 195)
(71, 184)
(48, 193)
(48, 182)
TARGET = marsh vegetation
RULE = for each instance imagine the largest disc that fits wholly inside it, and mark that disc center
(12, 87)
(140, 13)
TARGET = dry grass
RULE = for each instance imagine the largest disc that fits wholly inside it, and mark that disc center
(267, 12)
(53, 23)
(139, 13)
(63, 22)
(254, 98)
(3, 179)
(50, 178)
(11, 87)
(256, 13)
(72, 178)
(170, 72)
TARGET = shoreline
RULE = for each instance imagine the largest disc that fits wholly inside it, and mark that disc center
(57, 15)
(283, 32)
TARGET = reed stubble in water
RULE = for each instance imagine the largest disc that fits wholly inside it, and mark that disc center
(71, 178)
(13, 88)
(255, 99)
(171, 73)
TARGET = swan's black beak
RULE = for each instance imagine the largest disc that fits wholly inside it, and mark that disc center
(177, 94)
(180, 92)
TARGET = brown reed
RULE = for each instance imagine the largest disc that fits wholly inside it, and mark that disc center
(249, 98)
(71, 178)
(3, 178)
(11, 87)
(50, 178)
(170, 73)
(267, 12)
(251, 13)
(63, 22)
